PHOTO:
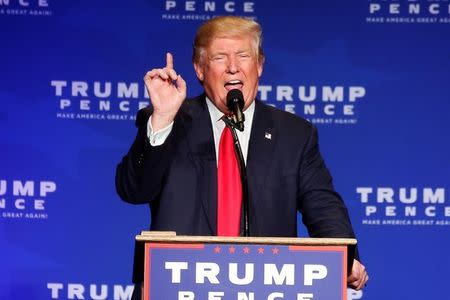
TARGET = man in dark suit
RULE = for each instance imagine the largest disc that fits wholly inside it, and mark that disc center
(173, 162)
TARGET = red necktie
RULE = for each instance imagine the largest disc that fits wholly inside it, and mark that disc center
(229, 188)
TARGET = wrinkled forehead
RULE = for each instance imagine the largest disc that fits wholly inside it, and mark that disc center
(230, 45)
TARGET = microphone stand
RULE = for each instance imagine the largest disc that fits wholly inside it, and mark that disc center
(242, 170)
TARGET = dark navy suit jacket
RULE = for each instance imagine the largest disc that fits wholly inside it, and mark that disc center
(285, 170)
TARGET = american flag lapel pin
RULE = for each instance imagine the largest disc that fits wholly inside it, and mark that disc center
(268, 135)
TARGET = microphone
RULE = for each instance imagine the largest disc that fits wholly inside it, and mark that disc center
(235, 103)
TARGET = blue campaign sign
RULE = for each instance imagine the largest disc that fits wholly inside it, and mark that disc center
(246, 272)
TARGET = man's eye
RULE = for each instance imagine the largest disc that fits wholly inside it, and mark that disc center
(218, 58)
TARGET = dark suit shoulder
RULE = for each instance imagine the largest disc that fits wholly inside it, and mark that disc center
(143, 115)
(189, 106)
(193, 105)
(289, 123)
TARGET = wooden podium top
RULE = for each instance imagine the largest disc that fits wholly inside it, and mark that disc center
(171, 237)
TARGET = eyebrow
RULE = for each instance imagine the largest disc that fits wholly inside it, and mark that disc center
(222, 52)
(243, 52)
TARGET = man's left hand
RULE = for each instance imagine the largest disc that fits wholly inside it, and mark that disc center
(358, 277)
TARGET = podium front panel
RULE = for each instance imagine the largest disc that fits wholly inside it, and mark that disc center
(244, 271)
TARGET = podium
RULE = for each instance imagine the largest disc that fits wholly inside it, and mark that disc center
(243, 268)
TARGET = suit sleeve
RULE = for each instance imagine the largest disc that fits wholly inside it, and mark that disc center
(140, 174)
(323, 210)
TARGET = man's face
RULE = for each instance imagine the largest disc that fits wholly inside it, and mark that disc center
(229, 63)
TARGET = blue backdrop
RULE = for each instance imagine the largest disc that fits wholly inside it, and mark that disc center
(372, 75)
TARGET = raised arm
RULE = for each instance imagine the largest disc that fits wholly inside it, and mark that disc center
(140, 174)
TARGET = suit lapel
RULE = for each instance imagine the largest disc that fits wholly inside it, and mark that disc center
(261, 147)
(200, 141)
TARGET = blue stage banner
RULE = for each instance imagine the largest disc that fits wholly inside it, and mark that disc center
(228, 271)
(371, 75)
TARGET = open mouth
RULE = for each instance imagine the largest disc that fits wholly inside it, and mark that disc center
(233, 84)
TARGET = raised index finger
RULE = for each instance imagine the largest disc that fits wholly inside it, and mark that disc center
(169, 60)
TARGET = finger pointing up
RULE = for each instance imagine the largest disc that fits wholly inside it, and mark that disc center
(169, 60)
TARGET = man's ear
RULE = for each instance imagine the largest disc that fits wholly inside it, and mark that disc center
(199, 71)
(260, 66)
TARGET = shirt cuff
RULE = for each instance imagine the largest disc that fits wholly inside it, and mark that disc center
(159, 137)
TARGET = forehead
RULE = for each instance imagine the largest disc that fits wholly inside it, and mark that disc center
(230, 44)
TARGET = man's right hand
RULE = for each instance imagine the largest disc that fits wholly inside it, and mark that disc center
(167, 91)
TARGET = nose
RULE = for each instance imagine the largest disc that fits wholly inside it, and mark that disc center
(233, 65)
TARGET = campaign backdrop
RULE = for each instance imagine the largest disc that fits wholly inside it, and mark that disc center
(372, 75)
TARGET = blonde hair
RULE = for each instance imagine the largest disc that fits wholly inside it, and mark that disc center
(226, 27)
